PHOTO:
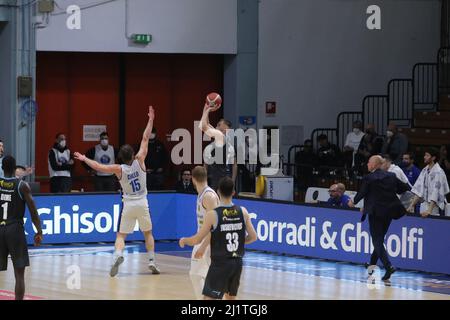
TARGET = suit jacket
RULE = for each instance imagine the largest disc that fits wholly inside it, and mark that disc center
(379, 190)
(179, 187)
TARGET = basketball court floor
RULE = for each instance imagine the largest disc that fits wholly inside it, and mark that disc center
(82, 272)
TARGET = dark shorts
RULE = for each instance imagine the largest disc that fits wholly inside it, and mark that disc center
(14, 243)
(223, 277)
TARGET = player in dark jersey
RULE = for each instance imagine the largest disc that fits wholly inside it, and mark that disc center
(14, 192)
(230, 228)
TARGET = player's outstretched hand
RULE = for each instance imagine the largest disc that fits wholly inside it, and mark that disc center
(181, 242)
(37, 239)
(79, 156)
(151, 113)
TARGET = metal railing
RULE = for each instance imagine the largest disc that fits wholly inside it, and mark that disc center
(425, 90)
(400, 99)
(443, 61)
(345, 125)
(376, 111)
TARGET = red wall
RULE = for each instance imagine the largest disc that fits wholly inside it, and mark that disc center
(74, 89)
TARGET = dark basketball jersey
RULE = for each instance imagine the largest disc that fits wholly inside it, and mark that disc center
(12, 206)
(228, 238)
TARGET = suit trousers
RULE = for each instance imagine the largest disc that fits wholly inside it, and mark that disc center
(378, 227)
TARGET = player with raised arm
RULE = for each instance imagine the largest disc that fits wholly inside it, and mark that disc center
(132, 177)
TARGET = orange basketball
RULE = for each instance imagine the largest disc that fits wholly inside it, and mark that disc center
(214, 100)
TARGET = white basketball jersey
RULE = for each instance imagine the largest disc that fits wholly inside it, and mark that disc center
(201, 211)
(133, 181)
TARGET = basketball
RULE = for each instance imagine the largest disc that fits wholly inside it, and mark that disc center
(214, 100)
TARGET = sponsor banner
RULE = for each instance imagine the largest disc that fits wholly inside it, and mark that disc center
(412, 242)
(95, 217)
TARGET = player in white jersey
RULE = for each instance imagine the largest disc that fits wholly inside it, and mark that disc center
(133, 178)
(207, 200)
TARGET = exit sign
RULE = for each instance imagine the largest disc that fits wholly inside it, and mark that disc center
(142, 38)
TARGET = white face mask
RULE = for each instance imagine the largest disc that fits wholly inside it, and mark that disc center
(104, 142)
(152, 136)
(389, 133)
(356, 130)
(62, 143)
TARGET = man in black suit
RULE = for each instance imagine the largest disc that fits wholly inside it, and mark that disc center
(379, 190)
(185, 184)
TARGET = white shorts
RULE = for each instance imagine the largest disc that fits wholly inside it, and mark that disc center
(132, 211)
(200, 267)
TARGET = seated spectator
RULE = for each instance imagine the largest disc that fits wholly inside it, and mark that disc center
(352, 143)
(185, 184)
(370, 145)
(338, 198)
(305, 156)
(328, 153)
(395, 144)
(305, 159)
(443, 160)
(411, 171)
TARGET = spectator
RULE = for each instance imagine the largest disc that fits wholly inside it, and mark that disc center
(60, 163)
(338, 198)
(249, 170)
(185, 184)
(388, 166)
(443, 161)
(352, 143)
(306, 156)
(411, 171)
(328, 153)
(305, 160)
(103, 153)
(395, 144)
(2, 150)
(155, 162)
(370, 145)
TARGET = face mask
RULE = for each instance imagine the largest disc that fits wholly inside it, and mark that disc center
(62, 143)
(389, 133)
(152, 136)
(104, 142)
(356, 130)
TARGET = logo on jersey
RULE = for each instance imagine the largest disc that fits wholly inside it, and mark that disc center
(62, 160)
(6, 184)
(230, 212)
(105, 159)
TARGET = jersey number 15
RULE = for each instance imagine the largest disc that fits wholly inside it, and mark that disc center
(135, 185)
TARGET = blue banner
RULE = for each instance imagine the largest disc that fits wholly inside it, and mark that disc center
(95, 217)
(412, 242)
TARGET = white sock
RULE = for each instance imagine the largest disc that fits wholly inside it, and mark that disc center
(117, 253)
(151, 255)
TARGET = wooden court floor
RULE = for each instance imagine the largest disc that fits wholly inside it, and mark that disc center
(52, 277)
